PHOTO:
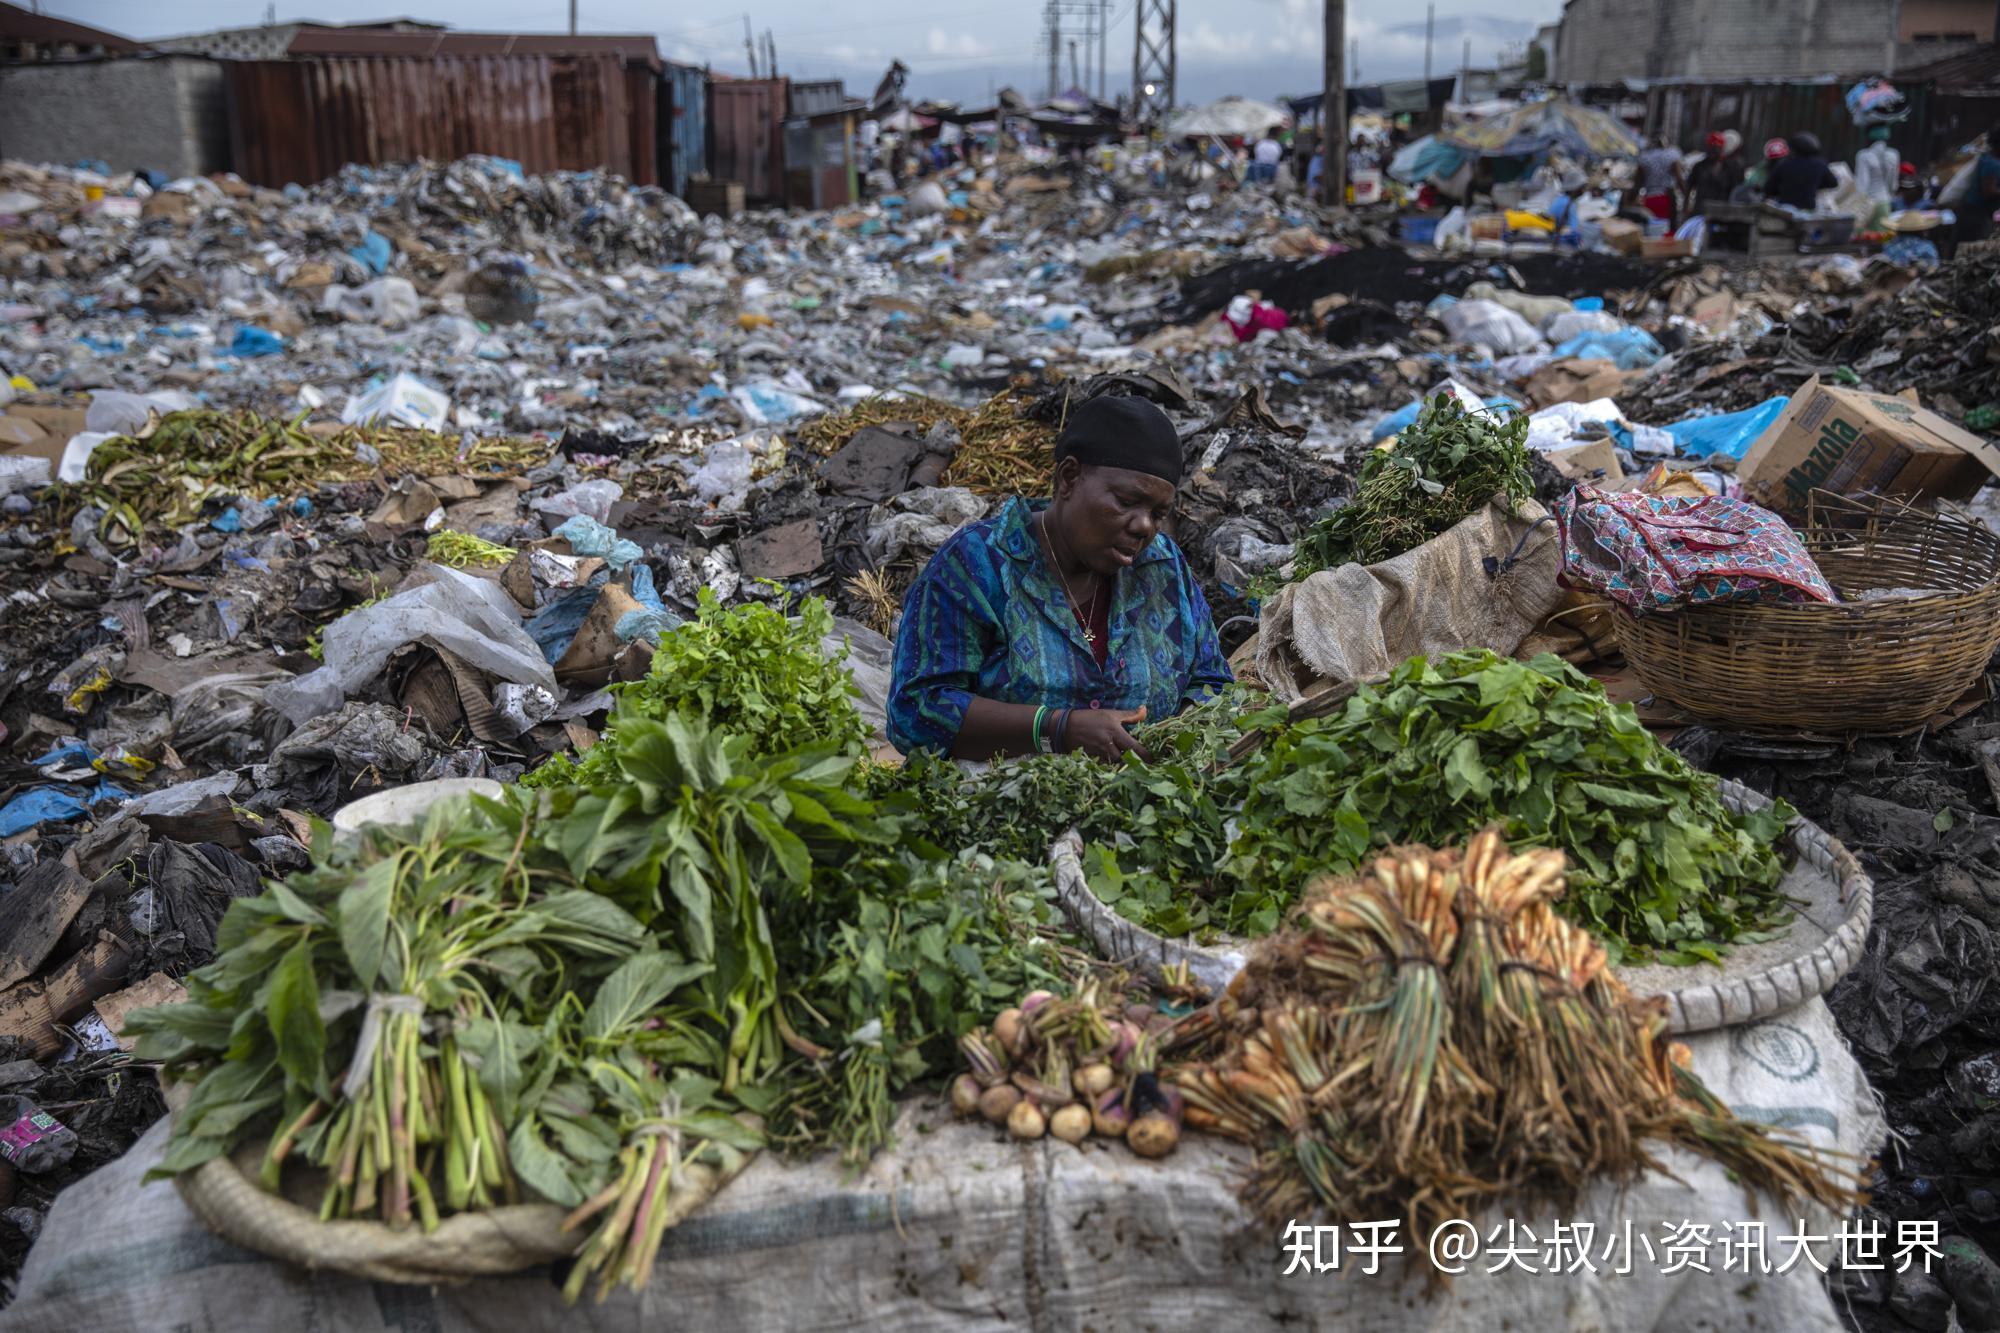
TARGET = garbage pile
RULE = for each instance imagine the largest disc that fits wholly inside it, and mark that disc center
(314, 494)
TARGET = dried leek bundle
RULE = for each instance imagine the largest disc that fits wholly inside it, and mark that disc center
(1430, 1037)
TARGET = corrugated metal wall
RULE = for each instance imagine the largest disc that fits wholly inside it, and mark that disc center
(683, 111)
(1686, 112)
(302, 120)
(746, 136)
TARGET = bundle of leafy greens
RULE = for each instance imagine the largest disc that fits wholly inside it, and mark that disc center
(748, 670)
(572, 994)
(1441, 470)
(1660, 868)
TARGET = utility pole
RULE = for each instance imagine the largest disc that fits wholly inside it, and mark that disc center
(750, 46)
(572, 16)
(1333, 110)
(770, 55)
(1155, 51)
(1103, 48)
(1053, 17)
(1073, 81)
(1354, 61)
(1430, 30)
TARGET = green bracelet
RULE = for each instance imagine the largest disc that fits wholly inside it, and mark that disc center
(1035, 728)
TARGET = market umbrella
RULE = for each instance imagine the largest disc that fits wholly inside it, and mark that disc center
(906, 121)
(1232, 117)
(1582, 132)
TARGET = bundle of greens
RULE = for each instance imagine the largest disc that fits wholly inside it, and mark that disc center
(1429, 1038)
(748, 670)
(1659, 867)
(1439, 471)
(1199, 844)
(573, 994)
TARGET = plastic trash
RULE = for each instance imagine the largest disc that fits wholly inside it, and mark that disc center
(373, 253)
(1627, 348)
(253, 341)
(766, 403)
(919, 521)
(962, 356)
(1576, 322)
(472, 618)
(20, 473)
(389, 302)
(39, 805)
(588, 537)
(523, 706)
(1487, 324)
(76, 454)
(403, 400)
(592, 499)
(555, 626)
(114, 413)
(32, 1140)
(1729, 433)
(723, 477)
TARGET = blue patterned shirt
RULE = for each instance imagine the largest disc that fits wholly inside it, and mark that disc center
(987, 618)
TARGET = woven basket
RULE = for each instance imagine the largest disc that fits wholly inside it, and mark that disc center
(1838, 668)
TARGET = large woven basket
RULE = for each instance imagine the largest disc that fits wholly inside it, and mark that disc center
(1851, 667)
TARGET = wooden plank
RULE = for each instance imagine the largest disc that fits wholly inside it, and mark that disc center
(35, 915)
(32, 1009)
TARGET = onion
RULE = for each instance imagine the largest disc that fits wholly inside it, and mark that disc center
(1108, 1115)
(965, 1091)
(1153, 1134)
(998, 1102)
(1139, 1013)
(1010, 1031)
(1026, 1120)
(1124, 1037)
(1092, 1081)
(1034, 1000)
(1071, 1123)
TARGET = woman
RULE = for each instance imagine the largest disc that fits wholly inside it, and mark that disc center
(1054, 627)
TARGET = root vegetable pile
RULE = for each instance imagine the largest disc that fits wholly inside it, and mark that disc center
(1430, 1037)
(1072, 1067)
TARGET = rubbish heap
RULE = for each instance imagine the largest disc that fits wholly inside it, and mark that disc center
(445, 472)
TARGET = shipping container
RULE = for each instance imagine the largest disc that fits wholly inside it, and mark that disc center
(820, 169)
(683, 133)
(746, 136)
(303, 120)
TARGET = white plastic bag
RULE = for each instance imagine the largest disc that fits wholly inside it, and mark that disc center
(471, 618)
(1489, 324)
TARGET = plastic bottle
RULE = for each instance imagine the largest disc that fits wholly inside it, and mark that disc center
(31, 1139)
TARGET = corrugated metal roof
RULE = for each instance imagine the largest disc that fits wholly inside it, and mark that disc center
(1968, 69)
(22, 25)
(360, 42)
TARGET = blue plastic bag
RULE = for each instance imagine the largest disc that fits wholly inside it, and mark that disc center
(253, 341)
(1403, 418)
(39, 805)
(1627, 348)
(373, 252)
(1730, 434)
(587, 537)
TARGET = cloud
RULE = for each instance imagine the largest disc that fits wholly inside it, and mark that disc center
(963, 44)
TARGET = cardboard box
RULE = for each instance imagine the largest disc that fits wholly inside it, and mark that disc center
(1575, 380)
(1623, 236)
(1596, 462)
(723, 197)
(1853, 443)
(1665, 247)
(1488, 227)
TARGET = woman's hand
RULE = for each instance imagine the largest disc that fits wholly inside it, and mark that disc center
(1101, 734)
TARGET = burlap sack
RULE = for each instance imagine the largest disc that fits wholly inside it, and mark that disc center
(1361, 620)
(225, 1197)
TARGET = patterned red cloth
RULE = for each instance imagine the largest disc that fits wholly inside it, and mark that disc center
(1657, 552)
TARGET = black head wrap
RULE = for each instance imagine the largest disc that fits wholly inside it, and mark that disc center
(1122, 432)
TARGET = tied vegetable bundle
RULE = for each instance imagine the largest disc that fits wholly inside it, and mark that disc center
(1441, 470)
(1429, 1038)
(749, 670)
(582, 995)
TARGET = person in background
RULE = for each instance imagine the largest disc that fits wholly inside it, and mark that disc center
(1911, 189)
(1757, 178)
(1659, 178)
(1715, 178)
(1265, 158)
(1875, 167)
(1315, 170)
(1982, 194)
(1796, 179)
(1056, 625)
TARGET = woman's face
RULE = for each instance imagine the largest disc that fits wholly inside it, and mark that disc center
(1108, 515)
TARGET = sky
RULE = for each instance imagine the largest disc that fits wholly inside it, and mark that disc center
(956, 50)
